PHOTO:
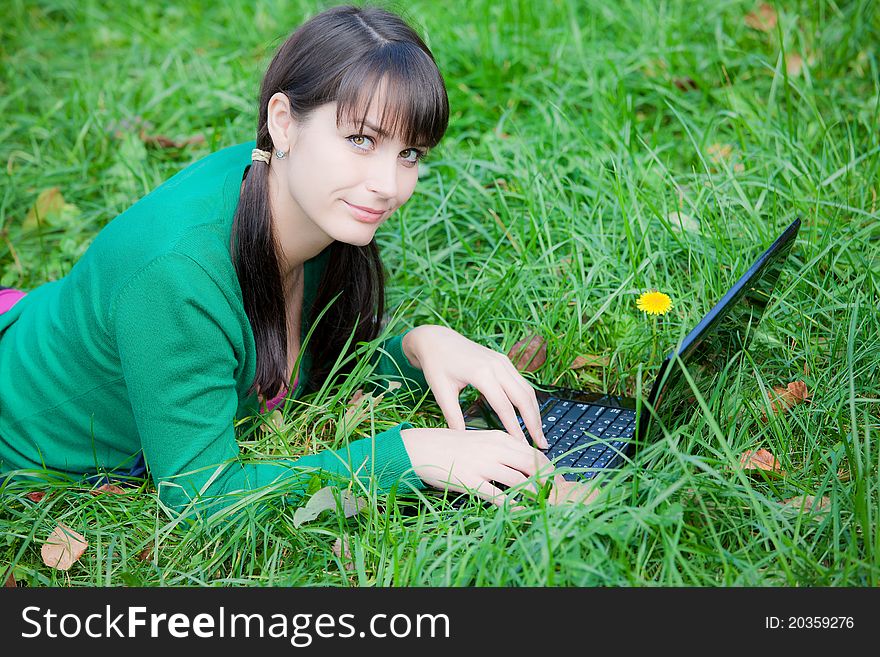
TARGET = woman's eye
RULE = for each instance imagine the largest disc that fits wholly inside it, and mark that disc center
(414, 155)
(364, 142)
(358, 140)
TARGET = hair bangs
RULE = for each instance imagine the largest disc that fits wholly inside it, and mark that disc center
(414, 105)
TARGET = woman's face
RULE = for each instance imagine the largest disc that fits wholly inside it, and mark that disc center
(330, 170)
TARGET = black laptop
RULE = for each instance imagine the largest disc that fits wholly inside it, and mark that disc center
(589, 432)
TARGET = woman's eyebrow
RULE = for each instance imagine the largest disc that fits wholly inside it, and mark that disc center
(382, 133)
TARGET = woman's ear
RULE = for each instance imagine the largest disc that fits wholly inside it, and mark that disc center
(281, 124)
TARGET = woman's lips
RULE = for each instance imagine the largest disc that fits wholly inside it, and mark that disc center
(363, 214)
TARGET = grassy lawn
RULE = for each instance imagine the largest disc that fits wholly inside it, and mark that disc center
(595, 150)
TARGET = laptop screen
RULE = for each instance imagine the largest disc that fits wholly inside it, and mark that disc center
(722, 334)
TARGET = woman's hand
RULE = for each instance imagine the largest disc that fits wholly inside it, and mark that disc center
(480, 461)
(572, 492)
(474, 461)
(451, 362)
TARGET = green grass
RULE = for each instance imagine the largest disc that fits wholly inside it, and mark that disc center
(575, 106)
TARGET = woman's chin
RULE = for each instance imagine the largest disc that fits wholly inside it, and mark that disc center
(357, 238)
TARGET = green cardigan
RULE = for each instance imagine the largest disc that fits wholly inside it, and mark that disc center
(145, 345)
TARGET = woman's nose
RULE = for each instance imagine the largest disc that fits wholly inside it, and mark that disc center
(383, 176)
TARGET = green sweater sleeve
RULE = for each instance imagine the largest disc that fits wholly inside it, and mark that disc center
(393, 365)
(180, 344)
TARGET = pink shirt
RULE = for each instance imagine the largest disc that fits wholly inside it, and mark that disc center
(9, 298)
(272, 403)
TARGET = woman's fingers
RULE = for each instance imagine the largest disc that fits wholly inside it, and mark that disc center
(526, 459)
(573, 492)
(491, 493)
(527, 403)
(446, 397)
(500, 403)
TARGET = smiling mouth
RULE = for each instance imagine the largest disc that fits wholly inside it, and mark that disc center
(365, 215)
(366, 209)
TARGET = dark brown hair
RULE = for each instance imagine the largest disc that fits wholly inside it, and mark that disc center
(342, 55)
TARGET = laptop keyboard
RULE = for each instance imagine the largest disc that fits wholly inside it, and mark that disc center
(584, 435)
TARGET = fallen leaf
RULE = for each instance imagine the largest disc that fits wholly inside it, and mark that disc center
(529, 353)
(754, 462)
(356, 397)
(358, 408)
(762, 19)
(794, 63)
(501, 183)
(49, 208)
(49, 201)
(654, 67)
(782, 399)
(129, 125)
(343, 551)
(146, 554)
(681, 222)
(36, 496)
(589, 360)
(719, 152)
(685, 84)
(10, 581)
(274, 422)
(809, 503)
(325, 500)
(166, 142)
(63, 548)
(109, 488)
(394, 385)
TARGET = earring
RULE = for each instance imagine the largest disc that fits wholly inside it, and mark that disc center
(280, 154)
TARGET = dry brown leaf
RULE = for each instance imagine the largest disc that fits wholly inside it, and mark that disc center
(719, 152)
(589, 360)
(36, 496)
(129, 125)
(654, 67)
(166, 142)
(50, 201)
(356, 397)
(10, 581)
(529, 353)
(763, 18)
(109, 488)
(342, 549)
(63, 548)
(794, 64)
(781, 399)
(798, 390)
(761, 460)
(358, 408)
(501, 183)
(685, 84)
(146, 554)
(809, 503)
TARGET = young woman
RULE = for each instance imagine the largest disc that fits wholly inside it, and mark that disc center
(189, 309)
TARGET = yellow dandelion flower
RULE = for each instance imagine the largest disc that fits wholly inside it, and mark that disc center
(654, 303)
